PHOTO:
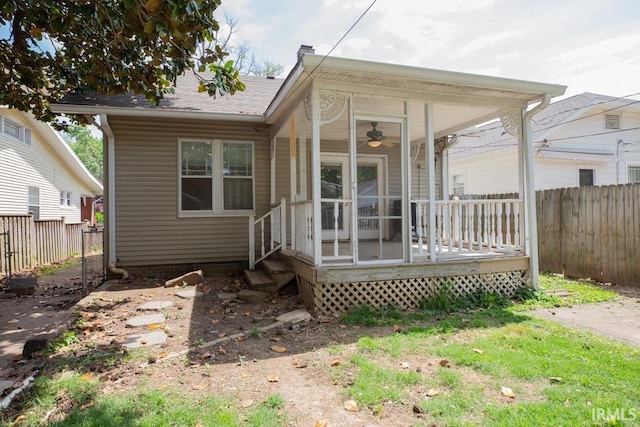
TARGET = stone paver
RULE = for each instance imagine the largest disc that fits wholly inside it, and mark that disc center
(227, 295)
(155, 305)
(146, 340)
(146, 320)
(294, 316)
(189, 293)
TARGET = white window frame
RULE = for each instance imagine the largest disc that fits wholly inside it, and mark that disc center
(463, 176)
(217, 177)
(635, 166)
(23, 132)
(65, 199)
(29, 204)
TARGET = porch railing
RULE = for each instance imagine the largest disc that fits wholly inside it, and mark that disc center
(332, 224)
(276, 219)
(303, 229)
(488, 225)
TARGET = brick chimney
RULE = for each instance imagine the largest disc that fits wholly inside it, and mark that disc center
(305, 49)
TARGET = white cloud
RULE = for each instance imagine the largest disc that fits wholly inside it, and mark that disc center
(482, 42)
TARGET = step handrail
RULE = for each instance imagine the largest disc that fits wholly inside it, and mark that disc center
(277, 217)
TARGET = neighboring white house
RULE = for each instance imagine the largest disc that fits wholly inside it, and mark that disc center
(586, 139)
(39, 173)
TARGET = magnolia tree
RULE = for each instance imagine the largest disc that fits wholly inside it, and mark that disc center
(50, 48)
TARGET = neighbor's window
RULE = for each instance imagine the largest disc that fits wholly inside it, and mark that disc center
(458, 184)
(15, 130)
(585, 177)
(65, 198)
(216, 176)
(34, 201)
(634, 174)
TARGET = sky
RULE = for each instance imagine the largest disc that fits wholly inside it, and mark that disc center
(587, 45)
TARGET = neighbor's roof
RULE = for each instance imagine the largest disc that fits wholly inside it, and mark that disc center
(492, 136)
(186, 100)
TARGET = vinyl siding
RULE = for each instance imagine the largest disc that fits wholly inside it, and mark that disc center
(37, 165)
(148, 229)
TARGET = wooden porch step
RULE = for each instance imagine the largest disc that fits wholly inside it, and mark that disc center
(280, 272)
(259, 279)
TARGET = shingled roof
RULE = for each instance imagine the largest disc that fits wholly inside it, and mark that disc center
(492, 136)
(252, 101)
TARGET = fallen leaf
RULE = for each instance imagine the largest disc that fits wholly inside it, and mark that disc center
(321, 423)
(222, 334)
(276, 339)
(246, 313)
(278, 349)
(154, 326)
(222, 351)
(351, 405)
(404, 365)
(247, 403)
(88, 405)
(432, 392)
(200, 386)
(87, 376)
(445, 363)
(555, 380)
(205, 356)
(508, 392)
(336, 362)
(163, 355)
(302, 364)
(478, 350)
(417, 409)
(17, 358)
(241, 338)
(19, 419)
(295, 361)
(143, 342)
(272, 378)
(396, 328)
(244, 374)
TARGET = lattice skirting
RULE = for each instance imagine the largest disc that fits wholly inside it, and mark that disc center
(329, 298)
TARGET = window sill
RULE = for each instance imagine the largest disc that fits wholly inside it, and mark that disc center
(209, 214)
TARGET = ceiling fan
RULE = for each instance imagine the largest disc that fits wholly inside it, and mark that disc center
(375, 138)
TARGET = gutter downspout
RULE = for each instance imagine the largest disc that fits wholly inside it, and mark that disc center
(111, 212)
(530, 190)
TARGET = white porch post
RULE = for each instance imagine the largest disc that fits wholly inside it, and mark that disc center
(430, 159)
(292, 177)
(445, 173)
(530, 190)
(315, 173)
(302, 156)
(272, 176)
(406, 186)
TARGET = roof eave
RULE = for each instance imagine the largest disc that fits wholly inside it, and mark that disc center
(432, 75)
(138, 112)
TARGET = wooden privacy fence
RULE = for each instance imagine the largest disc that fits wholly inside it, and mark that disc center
(36, 243)
(591, 232)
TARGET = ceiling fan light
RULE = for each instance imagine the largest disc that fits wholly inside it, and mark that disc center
(374, 143)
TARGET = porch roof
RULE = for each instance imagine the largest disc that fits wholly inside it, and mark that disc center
(477, 97)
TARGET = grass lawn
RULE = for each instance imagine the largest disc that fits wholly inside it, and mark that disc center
(495, 367)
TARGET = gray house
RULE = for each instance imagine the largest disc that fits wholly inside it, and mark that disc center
(336, 170)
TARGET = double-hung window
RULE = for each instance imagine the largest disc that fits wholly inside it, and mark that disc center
(216, 177)
(65, 198)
